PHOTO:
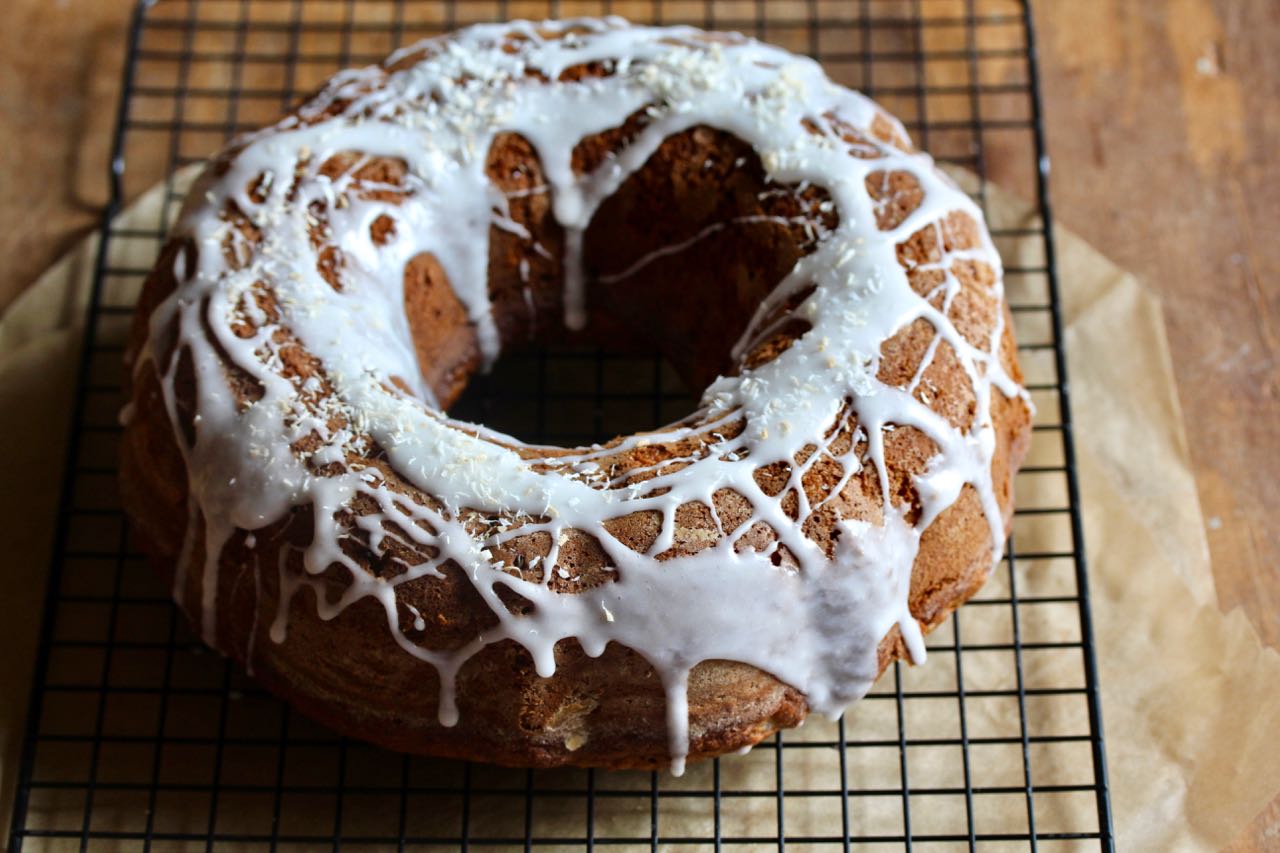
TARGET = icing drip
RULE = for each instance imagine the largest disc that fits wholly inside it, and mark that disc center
(815, 627)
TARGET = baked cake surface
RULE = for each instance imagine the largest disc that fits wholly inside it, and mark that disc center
(437, 587)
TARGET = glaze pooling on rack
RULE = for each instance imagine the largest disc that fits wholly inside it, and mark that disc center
(813, 621)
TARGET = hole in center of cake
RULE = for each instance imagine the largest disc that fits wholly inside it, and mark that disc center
(675, 264)
(575, 395)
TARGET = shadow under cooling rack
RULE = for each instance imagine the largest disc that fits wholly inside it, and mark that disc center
(140, 738)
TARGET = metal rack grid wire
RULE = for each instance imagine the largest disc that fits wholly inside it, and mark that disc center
(139, 738)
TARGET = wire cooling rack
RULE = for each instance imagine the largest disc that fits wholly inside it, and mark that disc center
(139, 738)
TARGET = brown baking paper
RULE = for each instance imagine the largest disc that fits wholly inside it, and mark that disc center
(1191, 699)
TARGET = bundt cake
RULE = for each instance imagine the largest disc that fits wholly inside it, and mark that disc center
(438, 587)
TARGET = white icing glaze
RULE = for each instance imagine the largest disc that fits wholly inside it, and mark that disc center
(816, 628)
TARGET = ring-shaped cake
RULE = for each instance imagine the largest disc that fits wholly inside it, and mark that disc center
(438, 587)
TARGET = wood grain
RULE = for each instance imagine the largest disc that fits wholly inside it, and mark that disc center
(60, 64)
(1162, 120)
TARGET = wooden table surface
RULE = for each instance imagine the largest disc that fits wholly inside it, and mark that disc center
(1162, 120)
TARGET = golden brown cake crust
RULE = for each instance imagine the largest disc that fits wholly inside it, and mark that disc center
(607, 711)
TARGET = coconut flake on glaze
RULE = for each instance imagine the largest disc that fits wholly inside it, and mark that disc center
(440, 115)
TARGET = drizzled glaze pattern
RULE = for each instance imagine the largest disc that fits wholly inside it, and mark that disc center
(295, 262)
